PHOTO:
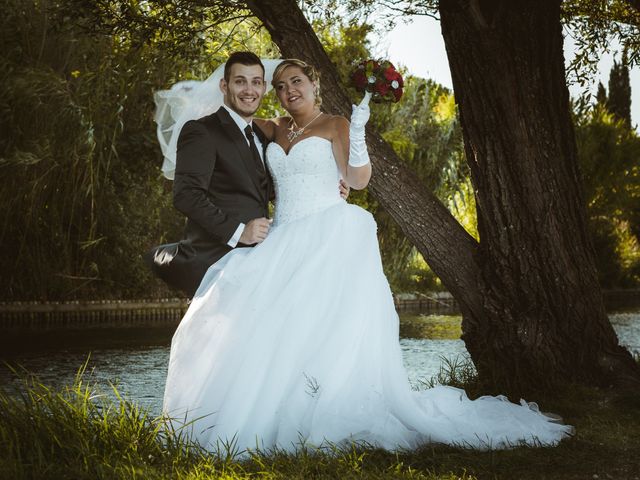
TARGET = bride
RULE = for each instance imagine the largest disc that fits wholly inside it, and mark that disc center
(296, 340)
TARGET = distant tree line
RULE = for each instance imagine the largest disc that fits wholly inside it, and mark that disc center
(609, 154)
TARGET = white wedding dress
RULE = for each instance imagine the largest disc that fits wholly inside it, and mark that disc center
(296, 340)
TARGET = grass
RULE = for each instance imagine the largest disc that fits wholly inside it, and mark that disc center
(436, 327)
(76, 433)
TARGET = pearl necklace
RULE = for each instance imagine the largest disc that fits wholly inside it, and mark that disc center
(293, 134)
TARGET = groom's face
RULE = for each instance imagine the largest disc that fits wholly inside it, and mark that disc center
(244, 90)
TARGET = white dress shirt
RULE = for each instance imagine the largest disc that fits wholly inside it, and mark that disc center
(242, 124)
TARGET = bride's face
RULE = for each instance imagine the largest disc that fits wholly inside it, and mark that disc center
(295, 90)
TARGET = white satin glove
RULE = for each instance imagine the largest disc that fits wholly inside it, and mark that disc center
(358, 154)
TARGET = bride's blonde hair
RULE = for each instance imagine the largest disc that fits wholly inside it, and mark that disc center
(309, 71)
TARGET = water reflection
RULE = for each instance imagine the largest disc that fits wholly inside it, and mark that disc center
(137, 362)
(627, 326)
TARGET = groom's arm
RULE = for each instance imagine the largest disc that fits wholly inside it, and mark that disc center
(195, 162)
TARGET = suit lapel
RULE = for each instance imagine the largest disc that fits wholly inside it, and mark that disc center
(240, 142)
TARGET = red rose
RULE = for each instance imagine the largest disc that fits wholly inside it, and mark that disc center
(391, 74)
(359, 79)
(382, 88)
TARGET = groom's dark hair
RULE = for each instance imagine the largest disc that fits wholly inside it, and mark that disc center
(243, 58)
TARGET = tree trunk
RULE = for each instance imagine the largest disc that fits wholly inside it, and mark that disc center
(533, 313)
(545, 317)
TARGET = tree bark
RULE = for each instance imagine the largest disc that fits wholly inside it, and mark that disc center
(532, 308)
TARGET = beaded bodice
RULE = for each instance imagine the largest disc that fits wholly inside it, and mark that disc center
(305, 180)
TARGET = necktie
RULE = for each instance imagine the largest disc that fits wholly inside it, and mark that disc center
(248, 131)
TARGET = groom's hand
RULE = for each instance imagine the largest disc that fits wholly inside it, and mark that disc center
(344, 189)
(255, 231)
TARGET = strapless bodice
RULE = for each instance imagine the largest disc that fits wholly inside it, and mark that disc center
(305, 180)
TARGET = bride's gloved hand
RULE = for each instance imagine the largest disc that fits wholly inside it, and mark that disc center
(358, 154)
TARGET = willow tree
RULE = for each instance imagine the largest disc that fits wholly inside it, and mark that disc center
(533, 312)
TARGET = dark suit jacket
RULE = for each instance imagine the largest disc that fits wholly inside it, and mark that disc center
(217, 187)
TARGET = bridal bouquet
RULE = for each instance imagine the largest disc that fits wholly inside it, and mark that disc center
(380, 78)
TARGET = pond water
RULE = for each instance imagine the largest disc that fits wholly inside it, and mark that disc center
(137, 365)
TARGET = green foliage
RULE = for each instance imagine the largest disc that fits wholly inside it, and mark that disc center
(595, 26)
(619, 101)
(78, 141)
(432, 326)
(345, 44)
(423, 129)
(78, 146)
(77, 433)
(601, 96)
(608, 153)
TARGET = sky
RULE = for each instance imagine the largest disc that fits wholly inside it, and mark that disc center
(420, 48)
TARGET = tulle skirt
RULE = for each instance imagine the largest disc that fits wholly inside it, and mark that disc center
(296, 341)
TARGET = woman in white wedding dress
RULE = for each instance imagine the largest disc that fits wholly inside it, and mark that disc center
(296, 340)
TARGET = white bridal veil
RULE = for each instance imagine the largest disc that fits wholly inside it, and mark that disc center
(189, 100)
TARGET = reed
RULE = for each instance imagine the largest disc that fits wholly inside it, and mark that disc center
(77, 432)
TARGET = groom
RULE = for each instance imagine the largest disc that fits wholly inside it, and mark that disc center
(221, 183)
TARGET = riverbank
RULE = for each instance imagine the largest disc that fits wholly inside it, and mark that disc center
(136, 359)
(17, 318)
(20, 319)
(73, 433)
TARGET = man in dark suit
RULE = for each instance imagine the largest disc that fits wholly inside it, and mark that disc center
(221, 183)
